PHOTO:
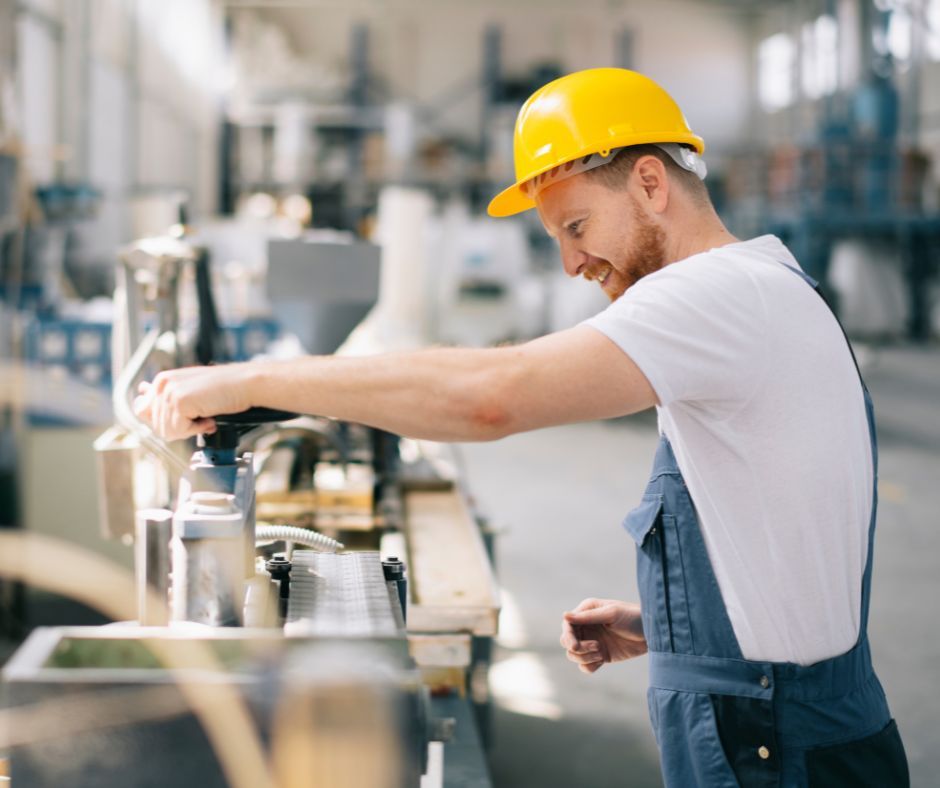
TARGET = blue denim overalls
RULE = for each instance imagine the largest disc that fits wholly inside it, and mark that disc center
(721, 720)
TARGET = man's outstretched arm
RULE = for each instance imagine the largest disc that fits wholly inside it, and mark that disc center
(445, 394)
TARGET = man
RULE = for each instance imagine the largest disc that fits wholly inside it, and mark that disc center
(754, 535)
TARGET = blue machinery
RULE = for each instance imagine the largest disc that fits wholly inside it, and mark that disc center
(852, 185)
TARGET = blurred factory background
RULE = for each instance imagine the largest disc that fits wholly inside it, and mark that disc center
(332, 160)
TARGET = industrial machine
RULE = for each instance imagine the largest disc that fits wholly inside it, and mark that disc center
(264, 652)
(862, 178)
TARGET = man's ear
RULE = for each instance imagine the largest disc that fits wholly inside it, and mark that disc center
(652, 182)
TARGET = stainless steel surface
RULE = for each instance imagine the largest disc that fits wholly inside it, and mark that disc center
(147, 279)
(322, 291)
(208, 553)
(154, 528)
(114, 455)
(153, 269)
(213, 546)
(331, 712)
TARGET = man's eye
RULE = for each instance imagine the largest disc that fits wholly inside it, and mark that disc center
(574, 229)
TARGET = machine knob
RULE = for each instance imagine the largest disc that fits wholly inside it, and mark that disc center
(230, 426)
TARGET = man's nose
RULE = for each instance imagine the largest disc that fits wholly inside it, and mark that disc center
(571, 259)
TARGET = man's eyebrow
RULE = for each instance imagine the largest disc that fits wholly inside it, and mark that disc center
(570, 218)
(573, 218)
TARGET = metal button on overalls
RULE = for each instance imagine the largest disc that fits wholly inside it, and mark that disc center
(723, 721)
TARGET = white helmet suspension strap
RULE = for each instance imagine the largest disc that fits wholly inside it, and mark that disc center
(685, 157)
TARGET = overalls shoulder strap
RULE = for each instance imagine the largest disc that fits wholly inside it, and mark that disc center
(870, 415)
(722, 720)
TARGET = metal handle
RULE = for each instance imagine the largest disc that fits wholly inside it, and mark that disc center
(255, 416)
(124, 413)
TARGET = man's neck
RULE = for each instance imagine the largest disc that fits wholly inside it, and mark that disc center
(702, 234)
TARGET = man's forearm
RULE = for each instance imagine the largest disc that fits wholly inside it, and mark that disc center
(446, 394)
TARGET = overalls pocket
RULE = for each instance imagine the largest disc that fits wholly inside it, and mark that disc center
(690, 750)
(644, 524)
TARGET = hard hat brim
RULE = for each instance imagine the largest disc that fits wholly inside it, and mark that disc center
(509, 202)
(514, 200)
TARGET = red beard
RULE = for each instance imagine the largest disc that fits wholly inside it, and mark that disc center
(647, 255)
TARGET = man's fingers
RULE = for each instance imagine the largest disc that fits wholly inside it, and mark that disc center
(599, 615)
(591, 668)
(157, 404)
(572, 643)
(144, 401)
(204, 426)
(587, 647)
(141, 406)
(585, 658)
(569, 636)
(589, 604)
(571, 640)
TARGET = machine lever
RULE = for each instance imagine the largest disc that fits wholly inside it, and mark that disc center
(254, 416)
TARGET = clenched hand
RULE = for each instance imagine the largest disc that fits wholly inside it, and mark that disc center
(598, 631)
(181, 402)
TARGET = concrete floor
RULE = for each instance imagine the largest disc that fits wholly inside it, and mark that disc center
(557, 496)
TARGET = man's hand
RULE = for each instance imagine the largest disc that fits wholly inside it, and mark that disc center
(602, 630)
(182, 402)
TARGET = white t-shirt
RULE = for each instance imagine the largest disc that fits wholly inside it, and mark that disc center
(763, 406)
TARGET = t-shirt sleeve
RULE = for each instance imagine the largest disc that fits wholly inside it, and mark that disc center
(697, 334)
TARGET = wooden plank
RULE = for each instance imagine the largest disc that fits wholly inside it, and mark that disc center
(346, 505)
(443, 681)
(450, 579)
(302, 514)
(440, 651)
(306, 498)
(477, 619)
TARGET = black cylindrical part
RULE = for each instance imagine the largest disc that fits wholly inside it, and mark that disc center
(394, 570)
(279, 568)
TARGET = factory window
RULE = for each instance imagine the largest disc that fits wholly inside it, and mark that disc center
(820, 64)
(776, 57)
(899, 34)
(933, 29)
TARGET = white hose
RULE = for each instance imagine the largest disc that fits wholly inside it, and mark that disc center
(304, 536)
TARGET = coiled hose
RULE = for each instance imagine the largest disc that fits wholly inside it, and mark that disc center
(265, 532)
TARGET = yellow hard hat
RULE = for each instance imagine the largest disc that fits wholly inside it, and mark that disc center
(584, 113)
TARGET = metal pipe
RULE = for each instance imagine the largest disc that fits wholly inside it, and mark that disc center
(268, 436)
(124, 413)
